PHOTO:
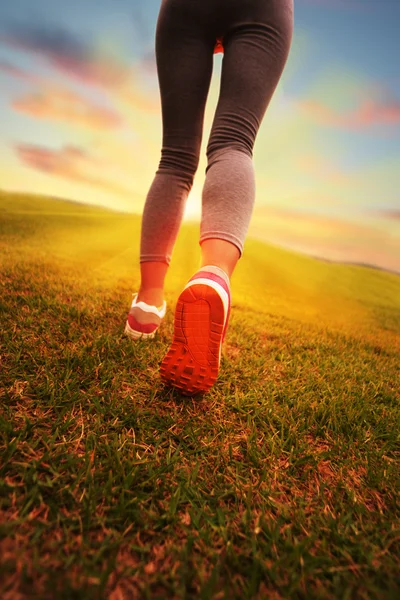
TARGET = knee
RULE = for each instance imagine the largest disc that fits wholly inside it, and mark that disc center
(180, 162)
(233, 153)
(232, 133)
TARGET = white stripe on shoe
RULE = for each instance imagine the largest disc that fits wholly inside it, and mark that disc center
(217, 287)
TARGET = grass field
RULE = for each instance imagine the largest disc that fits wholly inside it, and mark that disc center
(282, 482)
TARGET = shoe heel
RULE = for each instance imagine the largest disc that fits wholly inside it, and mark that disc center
(193, 360)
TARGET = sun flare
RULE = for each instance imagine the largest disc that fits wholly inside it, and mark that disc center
(193, 206)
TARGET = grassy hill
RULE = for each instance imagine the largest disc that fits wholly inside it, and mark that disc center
(104, 246)
(281, 482)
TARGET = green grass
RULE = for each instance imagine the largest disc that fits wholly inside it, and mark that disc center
(281, 482)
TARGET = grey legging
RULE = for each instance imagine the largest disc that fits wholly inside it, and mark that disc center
(256, 36)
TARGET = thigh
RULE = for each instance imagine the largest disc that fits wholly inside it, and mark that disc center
(184, 53)
(257, 39)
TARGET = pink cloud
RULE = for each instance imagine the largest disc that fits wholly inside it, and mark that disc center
(368, 113)
(69, 54)
(75, 57)
(392, 214)
(70, 162)
(334, 238)
(64, 105)
(10, 69)
(96, 71)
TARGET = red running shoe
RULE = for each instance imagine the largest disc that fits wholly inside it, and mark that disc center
(201, 320)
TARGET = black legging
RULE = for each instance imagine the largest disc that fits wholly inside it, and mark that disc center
(256, 37)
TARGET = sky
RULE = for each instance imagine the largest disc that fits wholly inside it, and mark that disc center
(80, 118)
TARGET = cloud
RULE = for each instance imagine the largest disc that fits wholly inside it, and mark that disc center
(367, 113)
(295, 220)
(330, 237)
(130, 84)
(54, 42)
(319, 167)
(10, 69)
(68, 53)
(388, 213)
(64, 105)
(70, 162)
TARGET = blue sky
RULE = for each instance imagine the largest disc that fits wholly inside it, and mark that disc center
(80, 118)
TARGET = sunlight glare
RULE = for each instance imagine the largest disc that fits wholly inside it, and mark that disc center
(193, 207)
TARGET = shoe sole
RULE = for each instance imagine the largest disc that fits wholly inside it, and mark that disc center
(136, 335)
(192, 362)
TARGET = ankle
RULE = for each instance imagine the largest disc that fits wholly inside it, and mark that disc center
(226, 268)
(152, 296)
(220, 253)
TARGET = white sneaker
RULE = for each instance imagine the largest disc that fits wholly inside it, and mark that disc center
(144, 319)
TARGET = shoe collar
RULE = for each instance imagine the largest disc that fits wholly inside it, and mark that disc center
(150, 307)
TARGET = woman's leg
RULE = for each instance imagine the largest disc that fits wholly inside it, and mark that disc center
(257, 39)
(184, 51)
